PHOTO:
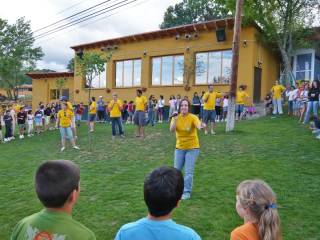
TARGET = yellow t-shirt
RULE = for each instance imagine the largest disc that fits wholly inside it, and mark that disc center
(93, 108)
(17, 108)
(115, 111)
(277, 91)
(241, 95)
(140, 103)
(65, 117)
(186, 131)
(245, 232)
(211, 103)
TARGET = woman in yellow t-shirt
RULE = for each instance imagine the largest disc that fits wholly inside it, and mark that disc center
(240, 101)
(186, 125)
(256, 204)
(92, 113)
(277, 91)
(115, 108)
(64, 119)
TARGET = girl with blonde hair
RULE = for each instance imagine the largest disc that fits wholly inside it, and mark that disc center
(256, 204)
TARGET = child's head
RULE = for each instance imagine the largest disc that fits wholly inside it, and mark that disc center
(64, 105)
(226, 96)
(8, 112)
(57, 183)
(163, 189)
(257, 203)
(29, 111)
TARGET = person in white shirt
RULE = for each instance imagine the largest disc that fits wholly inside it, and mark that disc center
(292, 96)
(14, 120)
(225, 107)
(30, 119)
(160, 109)
(172, 105)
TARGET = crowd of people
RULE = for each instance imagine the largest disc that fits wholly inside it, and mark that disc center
(303, 102)
(211, 107)
(57, 185)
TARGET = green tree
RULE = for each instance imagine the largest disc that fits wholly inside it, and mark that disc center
(192, 11)
(60, 84)
(286, 25)
(90, 65)
(17, 54)
(70, 65)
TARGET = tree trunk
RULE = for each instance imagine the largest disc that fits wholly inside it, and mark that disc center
(15, 93)
(287, 67)
(231, 114)
(90, 134)
(234, 67)
(9, 94)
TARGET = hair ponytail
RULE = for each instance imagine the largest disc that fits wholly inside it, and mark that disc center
(258, 197)
(269, 225)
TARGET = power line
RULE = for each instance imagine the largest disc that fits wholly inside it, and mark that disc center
(72, 6)
(99, 19)
(73, 15)
(85, 18)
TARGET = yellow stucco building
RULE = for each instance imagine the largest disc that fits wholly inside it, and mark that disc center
(180, 60)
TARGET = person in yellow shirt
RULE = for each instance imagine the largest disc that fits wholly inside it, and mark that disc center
(186, 125)
(64, 119)
(73, 120)
(209, 113)
(256, 205)
(240, 101)
(139, 117)
(92, 113)
(277, 91)
(115, 108)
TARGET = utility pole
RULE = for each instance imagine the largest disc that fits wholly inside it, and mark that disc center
(234, 67)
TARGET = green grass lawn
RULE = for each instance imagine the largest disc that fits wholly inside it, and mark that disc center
(279, 151)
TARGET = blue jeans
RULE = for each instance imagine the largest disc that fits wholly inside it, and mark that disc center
(201, 112)
(116, 121)
(277, 106)
(66, 132)
(150, 117)
(186, 159)
(312, 105)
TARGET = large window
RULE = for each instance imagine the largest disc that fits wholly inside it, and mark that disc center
(128, 73)
(54, 94)
(213, 67)
(167, 70)
(101, 80)
(303, 68)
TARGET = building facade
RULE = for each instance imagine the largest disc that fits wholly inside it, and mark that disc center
(180, 60)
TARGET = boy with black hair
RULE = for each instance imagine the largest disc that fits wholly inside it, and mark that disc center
(21, 119)
(57, 186)
(8, 120)
(163, 189)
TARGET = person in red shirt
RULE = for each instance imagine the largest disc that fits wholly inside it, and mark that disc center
(130, 112)
(79, 113)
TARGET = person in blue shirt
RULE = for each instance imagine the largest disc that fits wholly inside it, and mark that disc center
(163, 189)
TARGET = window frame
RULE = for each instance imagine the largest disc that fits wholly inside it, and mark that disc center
(132, 73)
(106, 79)
(172, 71)
(57, 94)
(208, 69)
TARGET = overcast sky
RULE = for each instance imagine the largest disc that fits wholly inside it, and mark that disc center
(140, 16)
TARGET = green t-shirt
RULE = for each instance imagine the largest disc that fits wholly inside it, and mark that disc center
(51, 225)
